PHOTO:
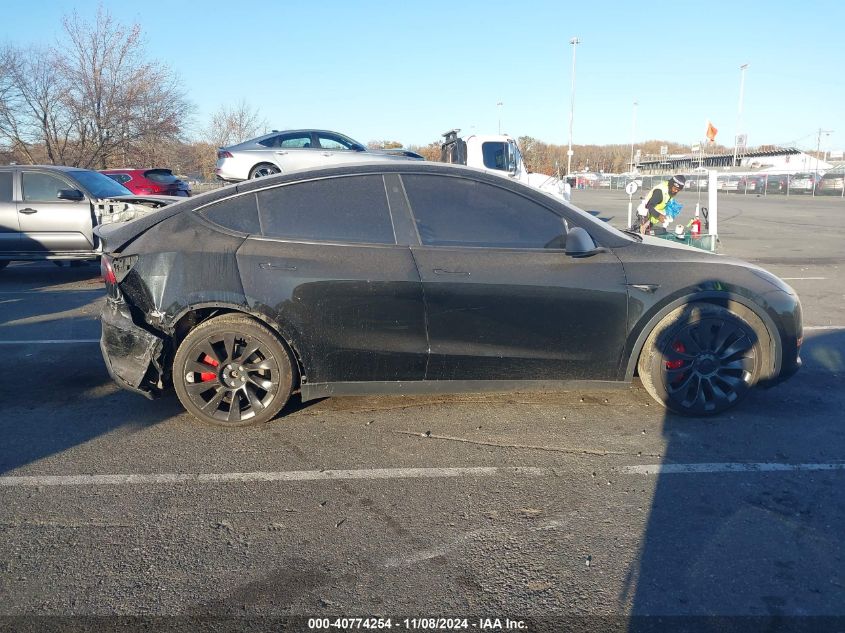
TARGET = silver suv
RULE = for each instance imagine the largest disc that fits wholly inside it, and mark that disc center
(292, 150)
(49, 212)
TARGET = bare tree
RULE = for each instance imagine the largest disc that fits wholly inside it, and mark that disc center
(95, 102)
(233, 125)
(33, 119)
(117, 98)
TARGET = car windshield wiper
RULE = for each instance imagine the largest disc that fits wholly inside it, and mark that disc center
(634, 233)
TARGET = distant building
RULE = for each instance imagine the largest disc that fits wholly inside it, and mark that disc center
(781, 159)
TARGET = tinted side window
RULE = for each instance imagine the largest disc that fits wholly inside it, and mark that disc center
(121, 178)
(238, 214)
(461, 212)
(42, 187)
(346, 209)
(5, 186)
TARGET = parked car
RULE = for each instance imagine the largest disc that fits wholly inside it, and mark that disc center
(728, 183)
(752, 184)
(283, 152)
(802, 183)
(417, 278)
(149, 181)
(49, 212)
(697, 181)
(777, 183)
(831, 183)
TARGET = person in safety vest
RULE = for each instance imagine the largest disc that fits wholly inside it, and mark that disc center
(652, 212)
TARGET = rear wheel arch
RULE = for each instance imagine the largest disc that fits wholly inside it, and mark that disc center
(264, 169)
(190, 318)
(740, 305)
(233, 370)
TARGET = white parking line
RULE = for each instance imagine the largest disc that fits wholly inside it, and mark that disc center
(292, 475)
(51, 341)
(694, 469)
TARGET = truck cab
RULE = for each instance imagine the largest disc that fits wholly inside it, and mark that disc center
(497, 154)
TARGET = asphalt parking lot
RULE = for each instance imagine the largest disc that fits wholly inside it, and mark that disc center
(557, 509)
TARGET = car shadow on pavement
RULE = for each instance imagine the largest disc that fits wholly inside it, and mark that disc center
(61, 398)
(747, 549)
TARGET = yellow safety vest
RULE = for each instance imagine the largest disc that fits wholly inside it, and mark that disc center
(664, 189)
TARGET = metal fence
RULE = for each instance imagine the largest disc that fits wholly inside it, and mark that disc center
(827, 184)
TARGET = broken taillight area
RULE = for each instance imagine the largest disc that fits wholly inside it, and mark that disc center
(109, 277)
(114, 270)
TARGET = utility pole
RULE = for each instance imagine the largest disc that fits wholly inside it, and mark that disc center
(499, 106)
(633, 128)
(818, 150)
(739, 110)
(574, 41)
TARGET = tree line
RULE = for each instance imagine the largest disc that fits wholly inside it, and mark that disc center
(100, 102)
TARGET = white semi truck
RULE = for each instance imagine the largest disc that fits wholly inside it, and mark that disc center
(498, 154)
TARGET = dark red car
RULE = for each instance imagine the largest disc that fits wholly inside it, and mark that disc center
(160, 182)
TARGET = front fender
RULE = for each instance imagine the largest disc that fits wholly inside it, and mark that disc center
(648, 321)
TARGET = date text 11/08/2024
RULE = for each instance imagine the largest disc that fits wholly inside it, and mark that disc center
(417, 624)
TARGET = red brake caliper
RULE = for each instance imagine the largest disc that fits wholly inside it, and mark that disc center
(209, 375)
(676, 364)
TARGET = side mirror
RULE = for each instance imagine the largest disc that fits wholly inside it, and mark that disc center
(579, 243)
(74, 195)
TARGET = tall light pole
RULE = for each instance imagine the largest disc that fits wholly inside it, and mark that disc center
(739, 109)
(633, 128)
(499, 106)
(574, 41)
(818, 150)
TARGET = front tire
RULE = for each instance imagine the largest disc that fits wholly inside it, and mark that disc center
(703, 359)
(263, 169)
(232, 371)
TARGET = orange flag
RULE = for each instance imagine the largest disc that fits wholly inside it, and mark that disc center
(711, 132)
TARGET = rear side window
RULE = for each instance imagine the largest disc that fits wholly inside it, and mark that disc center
(121, 178)
(301, 140)
(460, 212)
(346, 209)
(162, 176)
(5, 186)
(237, 214)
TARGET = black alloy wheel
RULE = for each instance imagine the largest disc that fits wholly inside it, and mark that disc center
(232, 371)
(264, 169)
(701, 360)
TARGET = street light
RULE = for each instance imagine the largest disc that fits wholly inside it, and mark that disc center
(633, 127)
(574, 41)
(499, 106)
(818, 150)
(739, 109)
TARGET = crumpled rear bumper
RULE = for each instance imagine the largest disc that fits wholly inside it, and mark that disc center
(132, 354)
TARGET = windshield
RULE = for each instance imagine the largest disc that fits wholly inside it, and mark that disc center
(99, 185)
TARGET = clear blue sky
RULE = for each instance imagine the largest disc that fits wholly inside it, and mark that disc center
(408, 71)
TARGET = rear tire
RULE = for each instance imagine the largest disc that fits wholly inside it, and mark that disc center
(232, 371)
(703, 359)
(263, 169)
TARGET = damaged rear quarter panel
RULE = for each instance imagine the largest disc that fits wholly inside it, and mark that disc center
(184, 265)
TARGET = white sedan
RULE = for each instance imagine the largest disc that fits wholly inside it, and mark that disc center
(292, 150)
